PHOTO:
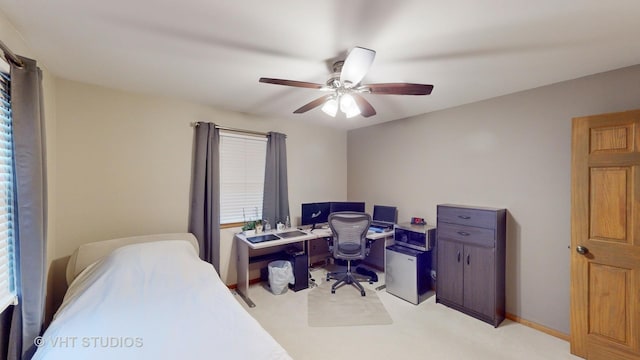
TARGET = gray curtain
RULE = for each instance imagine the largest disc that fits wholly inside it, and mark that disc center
(275, 206)
(29, 150)
(204, 216)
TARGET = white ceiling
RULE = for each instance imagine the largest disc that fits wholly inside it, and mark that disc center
(214, 51)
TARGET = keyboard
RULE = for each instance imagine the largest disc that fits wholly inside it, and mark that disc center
(382, 224)
(293, 233)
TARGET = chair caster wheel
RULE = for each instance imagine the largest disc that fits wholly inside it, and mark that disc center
(333, 291)
(370, 282)
(363, 293)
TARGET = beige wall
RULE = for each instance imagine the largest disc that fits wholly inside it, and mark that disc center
(513, 152)
(124, 164)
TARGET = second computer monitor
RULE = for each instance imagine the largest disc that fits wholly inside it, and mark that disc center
(337, 206)
(388, 214)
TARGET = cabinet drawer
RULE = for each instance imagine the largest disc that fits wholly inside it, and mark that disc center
(467, 234)
(467, 216)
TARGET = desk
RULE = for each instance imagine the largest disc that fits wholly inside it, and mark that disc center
(244, 248)
(244, 257)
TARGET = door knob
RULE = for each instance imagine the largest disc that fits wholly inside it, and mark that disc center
(582, 250)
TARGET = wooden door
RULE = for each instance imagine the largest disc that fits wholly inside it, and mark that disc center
(605, 237)
(449, 274)
(479, 280)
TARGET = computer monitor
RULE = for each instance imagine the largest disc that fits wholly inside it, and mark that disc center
(337, 206)
(387, 214)
(315, 213)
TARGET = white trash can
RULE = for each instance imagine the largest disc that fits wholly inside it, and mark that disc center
(280, 274)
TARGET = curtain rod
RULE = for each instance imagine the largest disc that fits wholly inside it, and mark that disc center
(242, 131)
(10, 56)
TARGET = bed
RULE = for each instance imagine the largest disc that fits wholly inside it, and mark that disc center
(150, 297)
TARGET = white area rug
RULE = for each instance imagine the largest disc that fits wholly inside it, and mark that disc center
(345, 308)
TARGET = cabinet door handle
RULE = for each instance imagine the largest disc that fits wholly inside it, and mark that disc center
(463, 233)
(458, 256)
(464, 217)
(468, 256)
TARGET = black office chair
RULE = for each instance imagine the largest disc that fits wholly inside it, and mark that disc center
(349, 243)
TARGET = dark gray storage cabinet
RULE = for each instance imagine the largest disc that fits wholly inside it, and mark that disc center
(470, 245)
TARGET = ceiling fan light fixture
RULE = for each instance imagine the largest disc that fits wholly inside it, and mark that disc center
(330, 107)
(352, 113)
(348, 106)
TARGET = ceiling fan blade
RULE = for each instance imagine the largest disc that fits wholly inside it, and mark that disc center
(356, 66)
(366, 109)
(398, 89)
(302, 84)
(313, 104)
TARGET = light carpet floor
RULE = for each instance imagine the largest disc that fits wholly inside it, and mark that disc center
(425, 331)
(345, 308)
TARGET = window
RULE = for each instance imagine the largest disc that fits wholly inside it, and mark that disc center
(8, 293)
(242, 162)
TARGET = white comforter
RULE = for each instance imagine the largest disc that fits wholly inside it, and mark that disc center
(154, 301)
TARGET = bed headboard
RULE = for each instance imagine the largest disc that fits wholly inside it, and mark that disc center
(87, 254)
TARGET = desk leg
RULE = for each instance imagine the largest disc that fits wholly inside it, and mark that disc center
(242, 266)
(384, 259)
(306, 248)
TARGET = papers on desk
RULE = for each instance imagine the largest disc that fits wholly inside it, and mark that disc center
(376, 229)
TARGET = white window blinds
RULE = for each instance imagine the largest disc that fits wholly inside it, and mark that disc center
(8, 294)
(242, 162)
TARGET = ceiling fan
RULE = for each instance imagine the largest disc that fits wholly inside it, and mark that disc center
(344, 87)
